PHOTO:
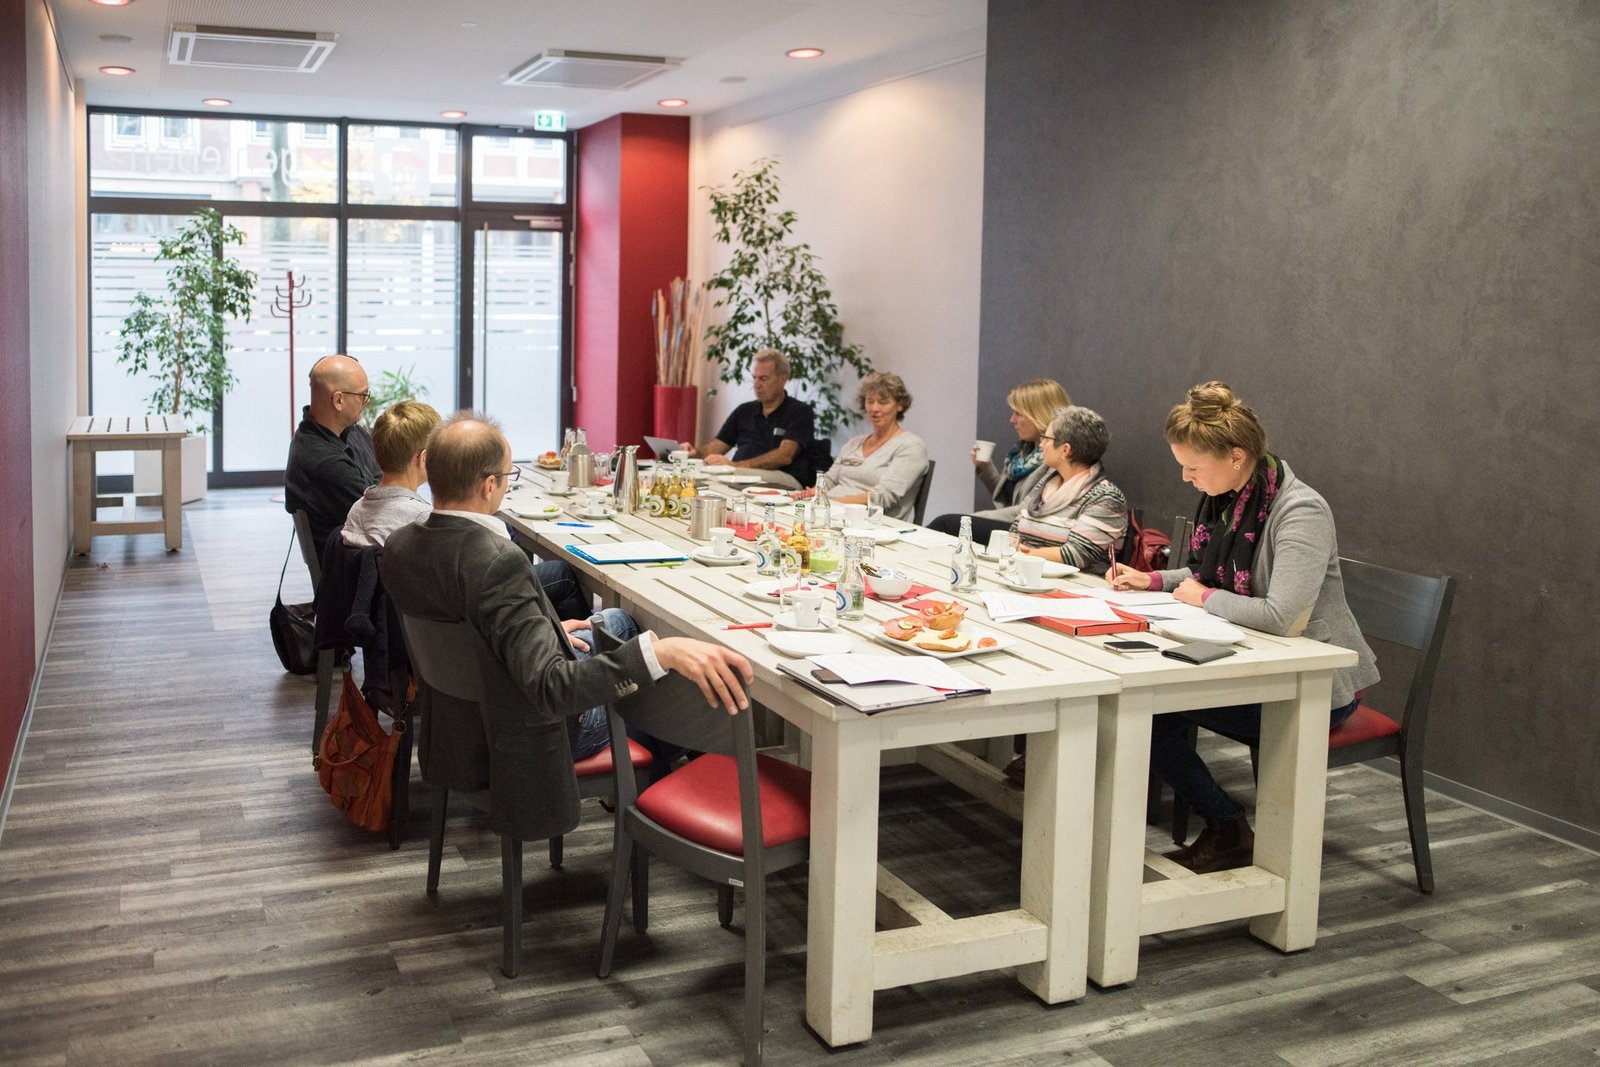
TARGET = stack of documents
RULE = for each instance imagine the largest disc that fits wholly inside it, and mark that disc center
(627, 552)
(1014, 607)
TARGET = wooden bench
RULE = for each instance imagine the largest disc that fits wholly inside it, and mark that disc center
(122, 433)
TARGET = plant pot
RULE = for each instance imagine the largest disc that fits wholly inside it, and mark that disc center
(675, 411)
(147, 469)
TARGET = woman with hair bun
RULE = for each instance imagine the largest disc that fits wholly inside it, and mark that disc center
(1263, 555)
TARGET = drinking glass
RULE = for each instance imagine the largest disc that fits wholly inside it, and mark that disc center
(825, 559)
(874, 507)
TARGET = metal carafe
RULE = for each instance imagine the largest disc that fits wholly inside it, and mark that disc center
(580, 464)
(706, 513)
(625, 478)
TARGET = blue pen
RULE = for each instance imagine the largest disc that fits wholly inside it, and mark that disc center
(579, 525)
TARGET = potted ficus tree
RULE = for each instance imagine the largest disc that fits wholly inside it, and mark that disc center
(179, 338)
(776, 296)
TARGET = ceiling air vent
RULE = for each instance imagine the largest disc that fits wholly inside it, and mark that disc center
(244, 49)
(568, 69)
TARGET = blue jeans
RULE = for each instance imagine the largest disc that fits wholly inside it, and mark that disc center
(560, 583)
(1180, 766)
(594, 732)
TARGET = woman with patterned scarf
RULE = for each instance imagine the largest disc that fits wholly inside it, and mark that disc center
(1263, 555)
(1010, 480)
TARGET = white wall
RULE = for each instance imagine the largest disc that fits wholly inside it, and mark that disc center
(886, 177)
(54, 249)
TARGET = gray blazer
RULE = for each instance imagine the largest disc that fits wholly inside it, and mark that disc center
(517, 744)
(1298, 591)
(992, 481)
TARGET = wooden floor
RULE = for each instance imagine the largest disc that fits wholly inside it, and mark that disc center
(175, 888)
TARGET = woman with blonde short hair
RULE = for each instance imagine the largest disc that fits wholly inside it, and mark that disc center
(888, 461)
(400, 439)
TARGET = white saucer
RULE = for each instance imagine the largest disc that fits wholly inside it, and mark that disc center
(717, 470)
(557, 492)
(1042, 587)
(705, 555)
(596, 516)
(801, 643)
(784, 620)
(1215, 631)
(535, 511)
(767, 492)
(1059, 570)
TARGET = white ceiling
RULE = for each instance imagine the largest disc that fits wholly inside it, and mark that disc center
(409, 59)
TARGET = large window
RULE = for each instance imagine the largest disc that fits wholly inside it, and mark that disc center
(373, 221)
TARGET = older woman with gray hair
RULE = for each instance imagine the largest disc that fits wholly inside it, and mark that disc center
(1075, 515)
(889, 461)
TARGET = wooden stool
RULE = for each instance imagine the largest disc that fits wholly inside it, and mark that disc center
(122, 433)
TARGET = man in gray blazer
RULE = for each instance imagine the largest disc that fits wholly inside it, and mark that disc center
(459, 564)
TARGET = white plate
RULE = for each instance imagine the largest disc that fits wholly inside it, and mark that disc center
(762, 590)
(718, 469)
(1059, 570)
(535, 511)
(738, 558)
(1216, 631)
(882, 535)
(784, 620)
(737, 479)
(977, 633)
(764, 492)
(800, 643)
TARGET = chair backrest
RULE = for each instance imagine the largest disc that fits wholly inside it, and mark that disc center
(308, 548)
(919, 505)
(1410, 610)
(444, 655)
(674, 710)
(1182, 529)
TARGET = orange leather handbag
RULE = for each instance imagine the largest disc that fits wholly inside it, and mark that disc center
(355, 760)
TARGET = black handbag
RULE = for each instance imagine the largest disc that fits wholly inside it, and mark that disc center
(293, 628)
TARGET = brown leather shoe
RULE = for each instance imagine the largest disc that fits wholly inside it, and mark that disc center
(1221, 846)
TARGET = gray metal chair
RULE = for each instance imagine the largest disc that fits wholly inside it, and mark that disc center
(1411, 611)
(686, 819)
(444, 658)
(919, 506)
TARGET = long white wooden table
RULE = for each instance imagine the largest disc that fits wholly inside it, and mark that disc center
(1291, 677)
(89, 435)
(1051, 697)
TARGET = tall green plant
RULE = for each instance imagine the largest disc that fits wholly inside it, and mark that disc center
(391, 387)
(181, 338)
(776, 296)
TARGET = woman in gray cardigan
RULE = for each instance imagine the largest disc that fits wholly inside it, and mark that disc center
(1263, 555)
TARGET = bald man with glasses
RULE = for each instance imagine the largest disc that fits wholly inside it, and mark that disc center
(331, 458)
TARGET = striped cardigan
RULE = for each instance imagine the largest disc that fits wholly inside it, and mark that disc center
(1088, 529)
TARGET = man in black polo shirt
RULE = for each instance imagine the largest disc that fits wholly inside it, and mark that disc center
(331, 459)
(772, 433)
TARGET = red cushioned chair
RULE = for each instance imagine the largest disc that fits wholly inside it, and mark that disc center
(1409, 610)
(729, 816)
(442, 654)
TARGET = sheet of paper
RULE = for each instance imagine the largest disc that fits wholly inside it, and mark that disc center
(1012, 607)
(568, 527)
(631, 551)
(858, 669)
(925, 538)
(1172, 611)
(1126, 597)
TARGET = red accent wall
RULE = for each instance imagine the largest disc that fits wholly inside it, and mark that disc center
(633, 238)
(16, 476)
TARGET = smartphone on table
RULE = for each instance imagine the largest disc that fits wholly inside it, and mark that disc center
(1132, 648)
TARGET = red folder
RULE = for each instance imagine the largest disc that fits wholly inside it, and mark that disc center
(1130, 624)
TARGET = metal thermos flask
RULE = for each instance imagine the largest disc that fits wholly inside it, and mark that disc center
(706, 513)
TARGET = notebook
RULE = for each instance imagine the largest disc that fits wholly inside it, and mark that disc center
(871, 698)
(627, 552)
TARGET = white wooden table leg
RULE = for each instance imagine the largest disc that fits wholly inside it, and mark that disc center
(1057, 838)
(83, 496)
(1291, 795)
(172, 492)
(843, 881)
(1122, 773)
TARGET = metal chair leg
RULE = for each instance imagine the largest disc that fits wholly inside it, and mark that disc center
(441, 805)
(725, 905)
(511, 905)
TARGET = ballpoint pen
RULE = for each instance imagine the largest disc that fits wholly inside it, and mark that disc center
(748, 625)
(578, 525)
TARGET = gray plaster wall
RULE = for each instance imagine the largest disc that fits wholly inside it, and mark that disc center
(1378, 222)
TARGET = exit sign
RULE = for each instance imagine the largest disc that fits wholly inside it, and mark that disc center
(550, 121)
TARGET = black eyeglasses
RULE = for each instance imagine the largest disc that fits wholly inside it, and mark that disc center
(1046, 437)
(511, 475)
(365, 397)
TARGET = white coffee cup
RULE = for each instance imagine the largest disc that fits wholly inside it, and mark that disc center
(982, 451)
(998, 541)
(807, 605)
(855, 515)
(722, 541)
(558, 481)
(596, 501)
(1030, 570)
(677, 455)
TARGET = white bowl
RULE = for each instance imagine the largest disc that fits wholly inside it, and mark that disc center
(888, 585)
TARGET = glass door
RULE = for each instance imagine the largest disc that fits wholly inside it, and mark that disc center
(517, 318)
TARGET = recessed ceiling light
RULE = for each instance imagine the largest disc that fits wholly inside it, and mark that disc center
(453, 113)
(117, 72)
(216, 101)
(116, 38)
(803, 53)
(113, 3)
(672, 102)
